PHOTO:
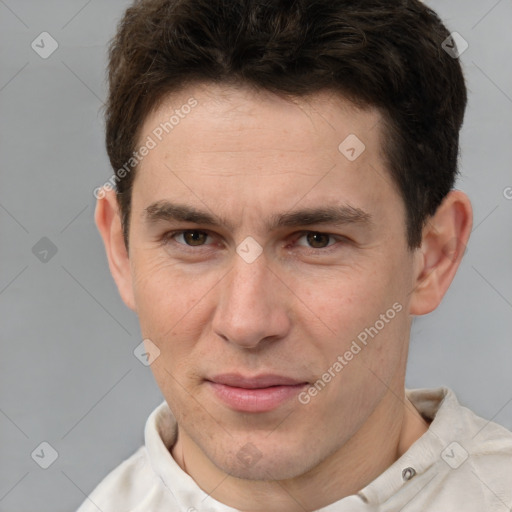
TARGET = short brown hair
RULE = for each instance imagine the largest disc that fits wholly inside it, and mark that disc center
(381, 53)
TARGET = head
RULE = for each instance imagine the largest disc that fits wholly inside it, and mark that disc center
(285, 207)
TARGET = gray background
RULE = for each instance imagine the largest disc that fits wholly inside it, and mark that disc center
(68, 375)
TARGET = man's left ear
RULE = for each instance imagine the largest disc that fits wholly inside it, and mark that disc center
(444, 241)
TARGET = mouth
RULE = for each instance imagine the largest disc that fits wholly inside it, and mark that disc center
(261, 393)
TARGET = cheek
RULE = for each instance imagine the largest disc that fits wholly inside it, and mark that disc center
(365, 306)
(342, 301)
(169, 300)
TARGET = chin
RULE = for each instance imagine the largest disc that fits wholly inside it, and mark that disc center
(267, 463)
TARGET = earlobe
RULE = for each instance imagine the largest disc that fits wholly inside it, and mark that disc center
(108, 222)
(444, 241)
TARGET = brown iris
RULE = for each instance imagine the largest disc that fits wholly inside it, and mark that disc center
(195, 238)
(318, 240)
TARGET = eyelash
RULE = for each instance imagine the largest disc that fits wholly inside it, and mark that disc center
(170, 236)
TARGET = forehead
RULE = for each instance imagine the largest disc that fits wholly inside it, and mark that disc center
(248, 119)
(254, 147)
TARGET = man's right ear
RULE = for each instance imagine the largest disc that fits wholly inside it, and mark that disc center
(108, 222)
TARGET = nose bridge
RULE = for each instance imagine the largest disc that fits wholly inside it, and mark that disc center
(249, 286)
(249, 308)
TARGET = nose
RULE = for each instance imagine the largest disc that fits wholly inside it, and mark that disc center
(253, 306)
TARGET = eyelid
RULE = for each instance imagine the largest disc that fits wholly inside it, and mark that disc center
(333, 238)
(341, 242)
(170, 236)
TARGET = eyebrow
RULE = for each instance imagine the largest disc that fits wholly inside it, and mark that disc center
(336, 215)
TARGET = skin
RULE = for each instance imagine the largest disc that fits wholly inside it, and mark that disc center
(245, 156)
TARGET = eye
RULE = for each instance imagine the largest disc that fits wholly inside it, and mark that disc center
(192, 237)
(316, 240)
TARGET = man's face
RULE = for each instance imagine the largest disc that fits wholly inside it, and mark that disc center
(269, 175)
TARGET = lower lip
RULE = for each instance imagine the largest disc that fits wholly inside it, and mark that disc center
(255, 400)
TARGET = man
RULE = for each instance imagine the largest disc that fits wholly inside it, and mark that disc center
(283, 208)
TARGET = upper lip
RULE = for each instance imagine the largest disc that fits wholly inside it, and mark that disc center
(260, 381)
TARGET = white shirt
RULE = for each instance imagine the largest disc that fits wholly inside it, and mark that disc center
(463, 463)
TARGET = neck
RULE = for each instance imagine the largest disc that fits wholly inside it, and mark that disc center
(386, 435)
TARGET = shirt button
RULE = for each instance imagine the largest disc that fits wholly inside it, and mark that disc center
(408, 473)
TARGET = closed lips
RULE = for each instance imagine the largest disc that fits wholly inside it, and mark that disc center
(258, 382)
